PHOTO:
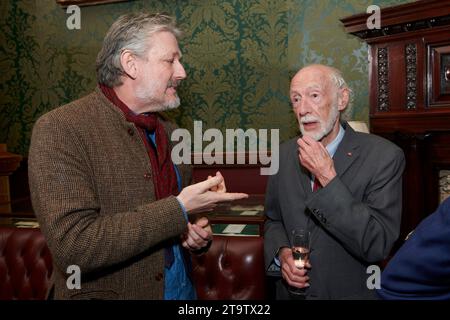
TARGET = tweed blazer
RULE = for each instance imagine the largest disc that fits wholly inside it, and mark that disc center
(92, 191)
(354, 220)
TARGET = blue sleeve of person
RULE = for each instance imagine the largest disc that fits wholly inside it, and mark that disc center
(421, 267)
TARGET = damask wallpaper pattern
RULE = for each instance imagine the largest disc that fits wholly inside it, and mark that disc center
(239, 56)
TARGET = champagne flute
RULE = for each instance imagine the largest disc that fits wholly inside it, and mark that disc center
(300, 252)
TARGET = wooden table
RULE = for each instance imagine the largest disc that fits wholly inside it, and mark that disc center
(231, 213)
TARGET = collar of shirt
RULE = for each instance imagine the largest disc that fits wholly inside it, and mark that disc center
(332, 147)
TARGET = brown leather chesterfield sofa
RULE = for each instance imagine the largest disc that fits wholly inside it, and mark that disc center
(25, 264)
(233, 268)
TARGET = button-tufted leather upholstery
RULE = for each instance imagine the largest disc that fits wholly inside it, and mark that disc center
(233, 268)
(25, 264)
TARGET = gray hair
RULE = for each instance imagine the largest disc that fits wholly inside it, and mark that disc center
(340, 83)
(129, 32)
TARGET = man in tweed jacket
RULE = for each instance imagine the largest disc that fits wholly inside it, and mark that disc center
(92, 184)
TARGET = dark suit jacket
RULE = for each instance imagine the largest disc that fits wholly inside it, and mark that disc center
(354, 220)
(420, 270)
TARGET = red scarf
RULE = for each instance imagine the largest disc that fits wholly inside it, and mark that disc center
(163, 172)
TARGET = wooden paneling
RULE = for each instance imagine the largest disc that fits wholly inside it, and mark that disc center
(238, 178)
(408, 103)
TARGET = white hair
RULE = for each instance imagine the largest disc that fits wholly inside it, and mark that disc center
(340, 83)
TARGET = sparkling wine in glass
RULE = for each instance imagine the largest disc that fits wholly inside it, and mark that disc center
(300, 252)
(301, 256)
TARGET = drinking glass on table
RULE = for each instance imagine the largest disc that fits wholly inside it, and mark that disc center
(300, 252)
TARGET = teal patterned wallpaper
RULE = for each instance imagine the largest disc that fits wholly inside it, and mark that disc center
(239, 56)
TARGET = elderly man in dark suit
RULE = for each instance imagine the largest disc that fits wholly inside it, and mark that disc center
(343, 187)
(105, 190)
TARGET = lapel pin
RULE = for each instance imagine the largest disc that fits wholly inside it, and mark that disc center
(349, 154)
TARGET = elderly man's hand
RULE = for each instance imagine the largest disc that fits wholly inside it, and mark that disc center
(198, 235)
(291, 274)
(199, 197)
(315, 158)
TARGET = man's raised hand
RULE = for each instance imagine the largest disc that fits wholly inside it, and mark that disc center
(205, 195)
